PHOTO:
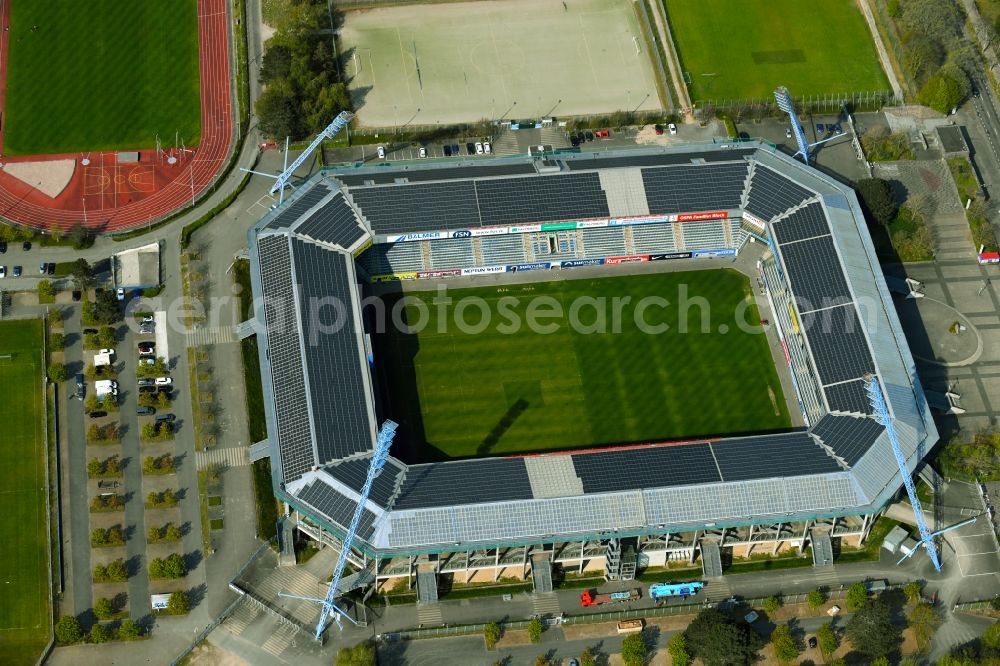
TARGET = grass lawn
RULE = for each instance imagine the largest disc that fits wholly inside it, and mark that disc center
(468, 393)
(25, 611)
(745, 50)
(101, 75)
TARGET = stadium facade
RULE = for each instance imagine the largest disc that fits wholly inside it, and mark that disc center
(614, 508)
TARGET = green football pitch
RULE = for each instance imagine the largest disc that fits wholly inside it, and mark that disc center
(101, 75)
(744, 50)
(24, 612)
(505, 388)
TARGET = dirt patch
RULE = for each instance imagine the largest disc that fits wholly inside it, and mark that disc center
(49, 177)
(514, 637)
(211, 655)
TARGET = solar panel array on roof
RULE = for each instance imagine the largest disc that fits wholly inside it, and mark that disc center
(816, 276)
(335, 365)
(354, 472)
(804, 223)
(294, 210)
(848, 397)
(661, 159)
(334, 223)
(335, 506)
(290, 399)
(838, 344)
(507, 201)
(392, 209)
(447, 173)
(466, 482)
(692, 188)
(850, 437)
(766, 456)
(772, 194)
(646, 467)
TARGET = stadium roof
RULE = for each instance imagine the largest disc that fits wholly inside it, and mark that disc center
(319, 400)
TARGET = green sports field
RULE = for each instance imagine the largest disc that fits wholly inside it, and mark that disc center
(744, 50)
(494, 391)
(24, 612)
(101, 74)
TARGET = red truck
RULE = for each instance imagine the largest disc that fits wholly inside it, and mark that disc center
(593, 598)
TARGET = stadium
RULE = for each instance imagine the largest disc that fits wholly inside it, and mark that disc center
(791, 240)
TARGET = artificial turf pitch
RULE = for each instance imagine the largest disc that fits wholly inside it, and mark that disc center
(24, 611)
(101, 75)
(460, 394)
(744, 50)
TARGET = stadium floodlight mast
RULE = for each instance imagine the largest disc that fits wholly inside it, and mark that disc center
(881, 411)
(283, 179)
(379, 455)
(784, 100)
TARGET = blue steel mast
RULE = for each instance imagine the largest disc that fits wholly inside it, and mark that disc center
(784, 100)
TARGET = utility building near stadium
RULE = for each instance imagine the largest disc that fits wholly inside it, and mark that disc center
(610, 508)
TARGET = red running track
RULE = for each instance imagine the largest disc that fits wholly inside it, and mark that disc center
(130, 202)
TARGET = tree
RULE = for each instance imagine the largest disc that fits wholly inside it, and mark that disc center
(362, 654)
(106, 337)
(871, 630)
(634, 649)
(94, 467)
(718, 641)
(148, 432)
(129, 630)
(57, 372)
(946, 89)
(117, 571)
(57, 341)
(79, 237)
(991, 638)
(104, 609)
(535, 629)
(542, 660)
(826, 637)
(68, 630)
(83, 274)
(277, 112)
(587, 658)
(106, 310)
(784, 646)
(99, 634)
(816, 598)
(178, 604)
(857, 596)
(877, 200)
(55, 318)
(162, 399)
(924, 621)
(771, 604)
(677, 647)
(912, 592)
(276, 63)
(46, 292)
(173, 533)
(491, 634)
(109, 403)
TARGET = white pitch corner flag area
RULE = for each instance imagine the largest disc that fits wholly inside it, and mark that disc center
(282, 180)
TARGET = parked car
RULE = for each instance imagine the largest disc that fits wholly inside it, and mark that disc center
(588, 135)
(470, 148)
(107, 350)
(164, 381)
(145, 411)
(447, 150)
(423, 152)
(603, 134)
(147, 360)
(3, 271)
(672, 128)
(17, 271)
(380, 151)
(166, 417)
(455, 150)
(41, 268)
(487, 147)
(148, 319)
(77, 295)
(812, 642)
(146, 347)
(146, 329)
(659, 129)
(479, 148)
(788, 132)
(3, 247)
(50, 268)
(120, 293)
(97, 415)
(145, 381)
(26, 246)
(147, 389)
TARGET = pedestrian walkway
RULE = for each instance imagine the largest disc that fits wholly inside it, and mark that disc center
(214, 335)
(279, 641)
(429, 615)
(546, 604)
(234, 456)
(241, 618)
